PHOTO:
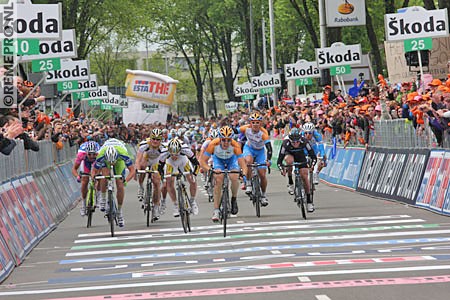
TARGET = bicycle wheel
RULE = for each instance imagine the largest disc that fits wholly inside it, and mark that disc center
(90, 205)
(181, 209)
(312, 186)
(257, 195)
(148, 211)
(299, 196)
(224, 211)
(111, 212)
(187, 210)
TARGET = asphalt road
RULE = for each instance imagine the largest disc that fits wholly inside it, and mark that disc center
(351, 247)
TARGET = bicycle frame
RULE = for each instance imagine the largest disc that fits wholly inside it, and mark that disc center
(90, 199)
(256, 187)
(299, 194)
(183, 199)
(148, 199)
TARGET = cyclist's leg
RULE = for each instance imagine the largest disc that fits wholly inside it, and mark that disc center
(119, 169)
(170, 169)
(141, 163)
(102, 184)
(248, 155)
(218, 181)
(260, 158)
(289, 159)
(304, 172)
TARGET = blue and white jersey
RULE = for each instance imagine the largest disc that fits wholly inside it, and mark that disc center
(316, 142)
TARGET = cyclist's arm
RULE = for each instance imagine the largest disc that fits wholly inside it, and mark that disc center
(75, 169)
(209, 151)
(281, 154)
(242, 164)
(268, 145)
(311, 152)
(131, 174)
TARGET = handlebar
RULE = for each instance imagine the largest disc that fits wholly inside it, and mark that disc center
(217, 172)
(108, 177)
(146, 171)
(177, 174)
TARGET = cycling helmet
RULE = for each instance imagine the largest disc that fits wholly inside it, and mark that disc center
(111, 154)
(308, 127)
(294, 135)
(255, 117)
(156, 134)
(92, 147)
(213, 133)
(226, 132)
(174, 146)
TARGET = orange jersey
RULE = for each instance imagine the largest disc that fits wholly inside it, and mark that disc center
(215, 148)
(256, 140)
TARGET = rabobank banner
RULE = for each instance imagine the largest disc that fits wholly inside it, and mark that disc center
(150, 86)
(434, 192)
(343, 169)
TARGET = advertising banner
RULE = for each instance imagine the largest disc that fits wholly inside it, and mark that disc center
(345, 13)
(6, 261)
(434, 188)
(343, 170)
(27, 213)
(135, 113)
(149, 86)
(338, 54)
(301, 69)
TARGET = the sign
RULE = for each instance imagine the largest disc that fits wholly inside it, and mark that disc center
(340, 70)
(303, 81)
(123, 102)
(106, 107)
(117, 109)
(101, 93)
(345, 13)
(266, 91)
(150, 86)
(248, 97)
(70, 70)
(337, 55)
(80, 95)
(150, 110)
(301, 69)
(64, 48)
(418, 44)
(112, 100)
(96, 102)
(146, 106)
(416, 22)
(87, 85)
(20, 46)
(44, 65)
(245, 89)
(266, 80)
(231, 106)
(31, 21)
(67, 85)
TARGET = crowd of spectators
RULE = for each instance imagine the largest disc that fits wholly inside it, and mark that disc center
(347, 116)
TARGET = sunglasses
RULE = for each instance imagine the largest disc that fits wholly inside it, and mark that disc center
(308, 133)
(255, 122)
(155, 139)
(225, 140)
(92, 154)
(295, 142)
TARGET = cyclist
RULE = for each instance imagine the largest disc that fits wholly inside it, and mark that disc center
(316, 140)
(293, 150)
(148, 156)
(257, 138)
(226, 154)
(114, 153)
(176, 157)
(213, 134)
(85, 158)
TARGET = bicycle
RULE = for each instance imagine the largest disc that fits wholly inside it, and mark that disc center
(256, 194)
(225, 205)
(312, 186)
(111, 214)
(148, 201)
(299, 192)
(91, 199)
(184, 206)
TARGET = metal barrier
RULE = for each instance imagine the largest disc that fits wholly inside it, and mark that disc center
(400, 133)
(22, 161)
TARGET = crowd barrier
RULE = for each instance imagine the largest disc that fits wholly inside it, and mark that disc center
(417, 177)
(37, 190)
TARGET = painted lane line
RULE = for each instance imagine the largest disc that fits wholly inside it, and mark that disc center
(332, 220)
(304, 279)
(252, 258)
(253, 235)
(100, 268)
(258, 241)
(275, 252)
(272, 288)
(234, 269)
(255, 249)
(245, 229)
(446, 278)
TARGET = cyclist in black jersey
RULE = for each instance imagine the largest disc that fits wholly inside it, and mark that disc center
(293, 150)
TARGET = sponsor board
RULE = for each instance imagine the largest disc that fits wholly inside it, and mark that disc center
(338, 54)
(266, 81)
(70, 70)
(301, 69)
(341, 13)
(245, 89)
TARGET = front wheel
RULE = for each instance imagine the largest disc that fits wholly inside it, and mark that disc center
(224, 212)
(111, 212)
(90, 206)
(147, 204)
(257, 195)
(299, 196)
(182, 211)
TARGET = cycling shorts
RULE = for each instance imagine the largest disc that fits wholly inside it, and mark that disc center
(225, 164)
(180, 164)
(258, 155)
(119, 167)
